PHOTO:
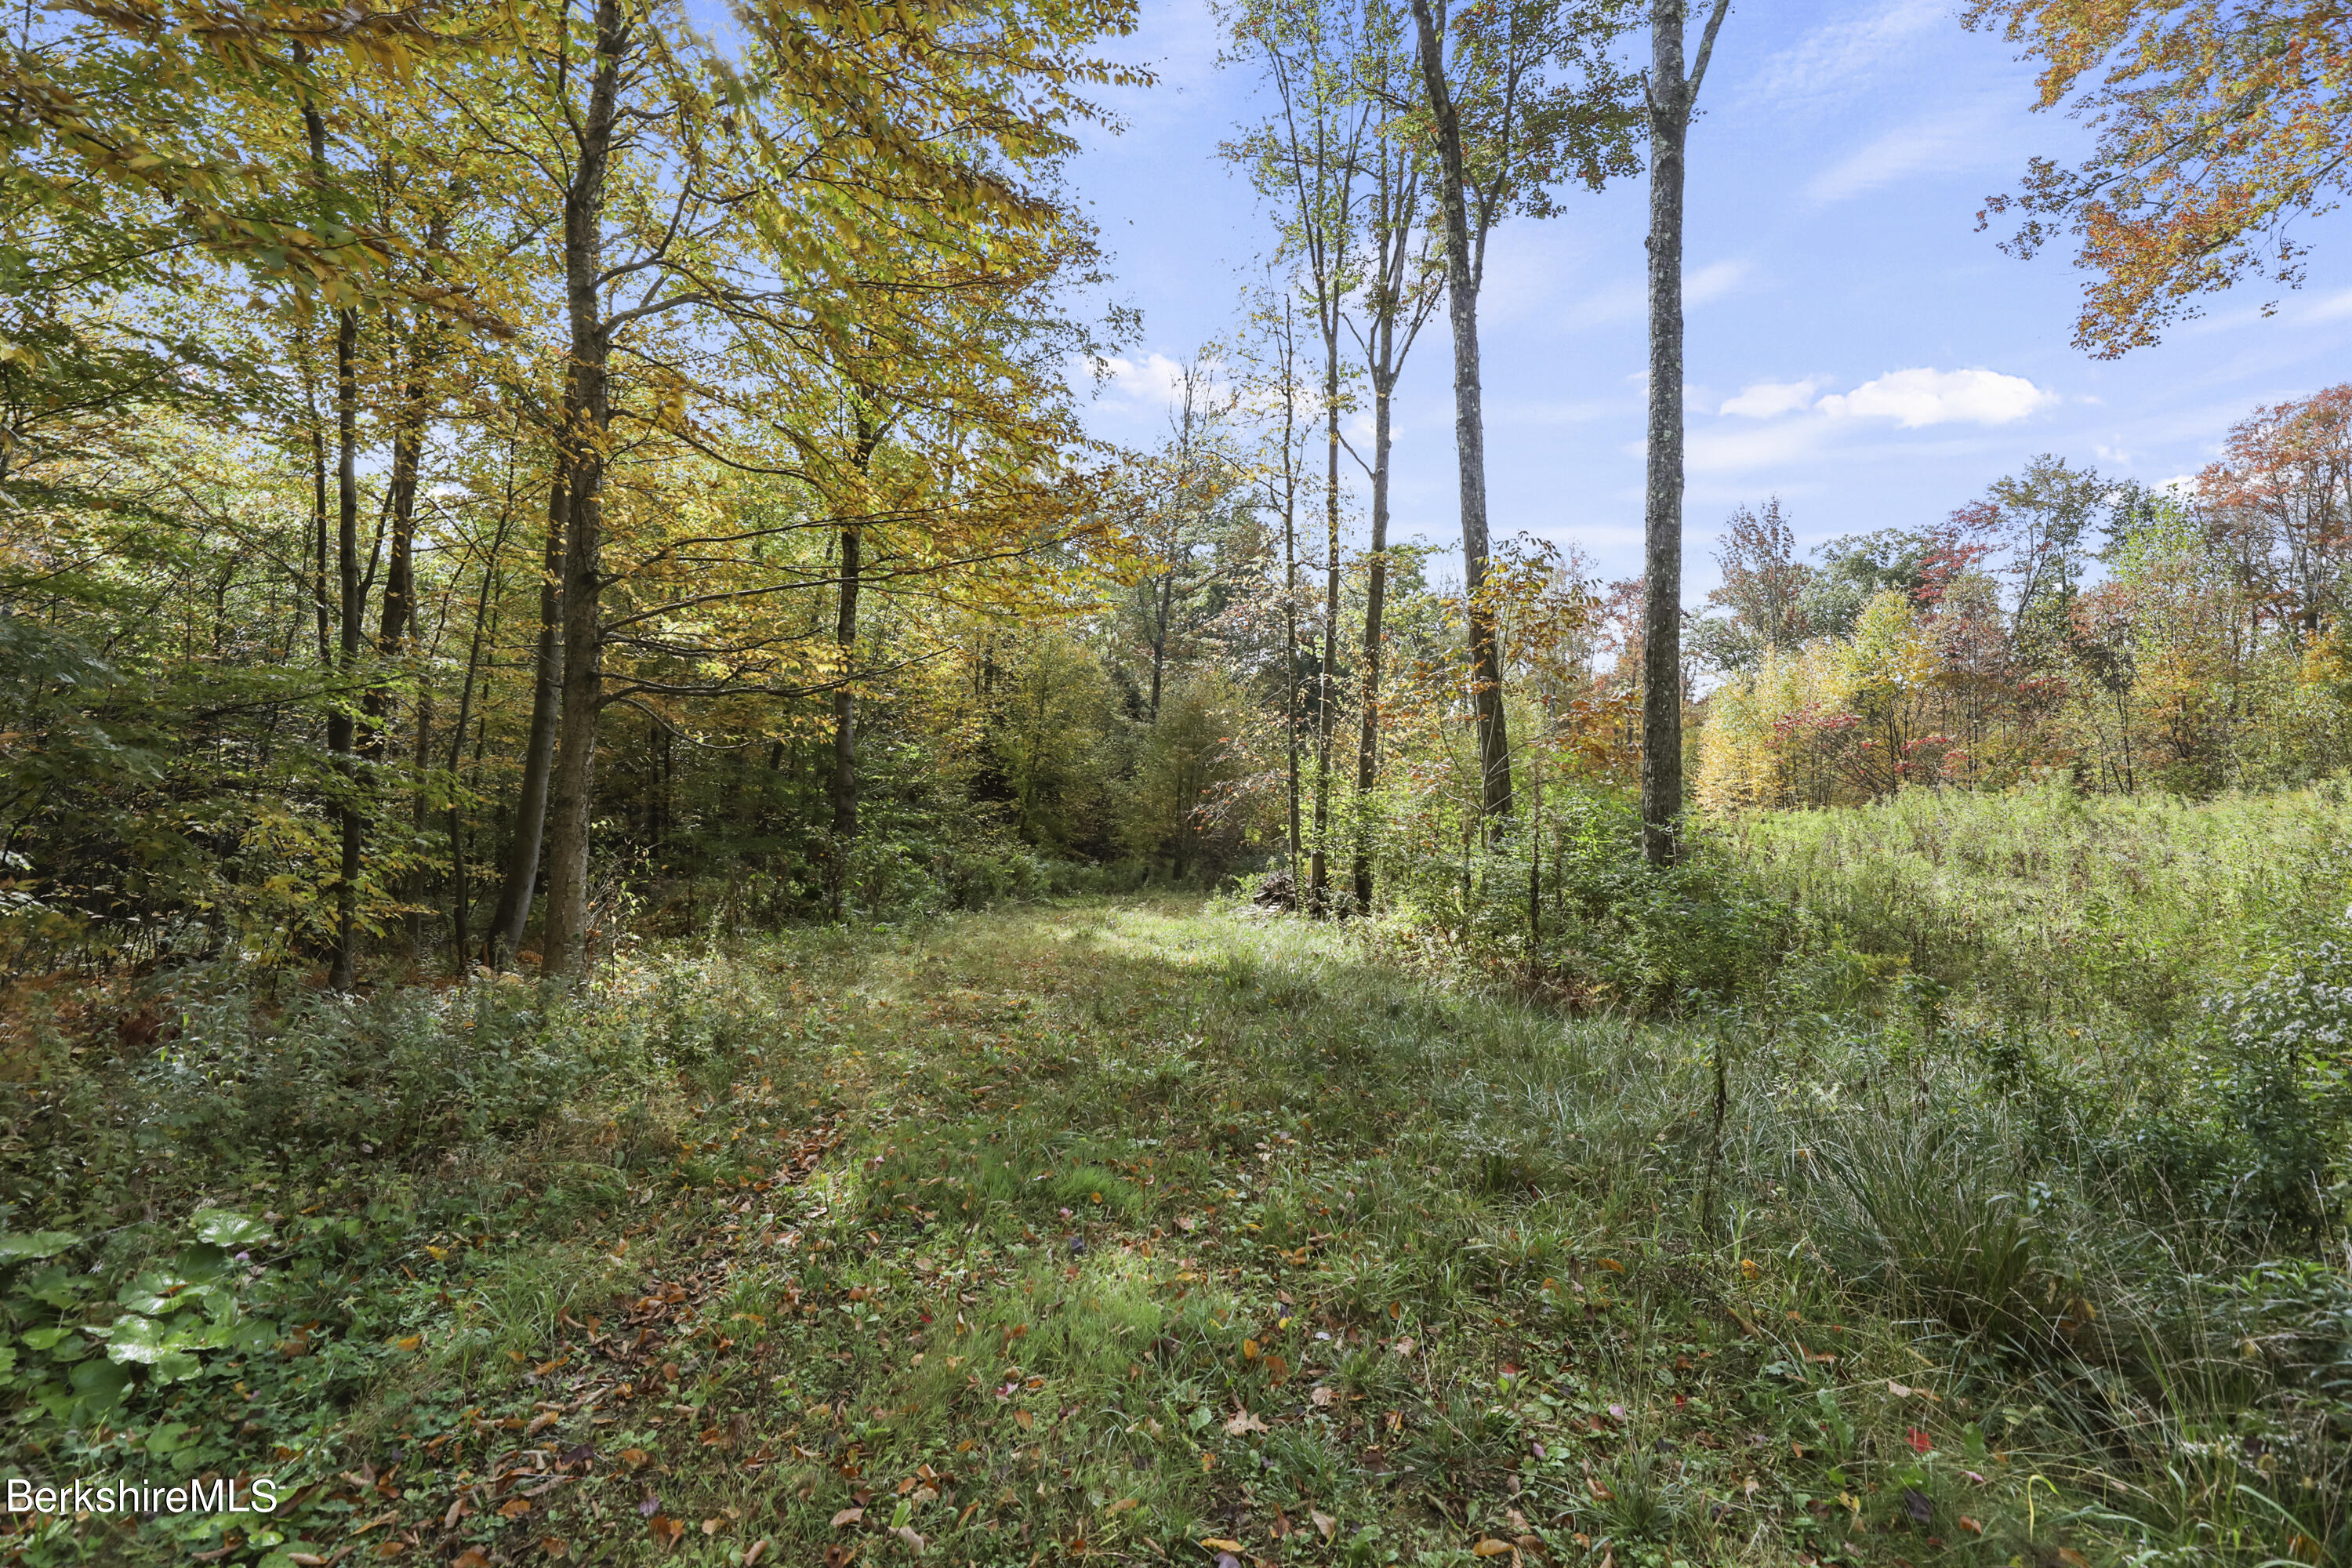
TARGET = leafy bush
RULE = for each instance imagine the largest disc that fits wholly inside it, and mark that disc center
(205, 1078)
(1574, 903)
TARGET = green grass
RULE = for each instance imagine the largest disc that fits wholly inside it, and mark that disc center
(2077, 908)
(1118, 1227)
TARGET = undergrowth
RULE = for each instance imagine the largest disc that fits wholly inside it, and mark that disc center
(1154, 1231)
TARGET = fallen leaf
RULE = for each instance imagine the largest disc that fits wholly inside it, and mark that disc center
(1897, 1390)
(410, 1342)
(514, 1507)
(847, 1516)
(713, 1526)
(2072, 1558)
(555, 1546)
(1970, 1525)
(632, 1457)
(1490, 1547)
(1920, 1442)
(1404, 1345)
(1023, 1419)
(1123, 1504)
(541, 1422)
(472, 1557)
(1320, 1396)
(1611, 1265)
(1249, 1349)
(1243, 1422)
(1324, 1523)
(1219, 1544)
(759, 1550)
(906, 1533)
(666, 1530)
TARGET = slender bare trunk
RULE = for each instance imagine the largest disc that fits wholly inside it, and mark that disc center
(460, 889)
(844, 789)
(1326, 689)
(521, 876)
(343, 968)
(1368, 747)
(1469, 425)
(1672, 94)
(341, 723)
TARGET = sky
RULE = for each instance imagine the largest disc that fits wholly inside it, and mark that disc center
(1853, 345)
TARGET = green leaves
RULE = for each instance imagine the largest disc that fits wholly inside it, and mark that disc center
(226, 1229)
(34, 1247)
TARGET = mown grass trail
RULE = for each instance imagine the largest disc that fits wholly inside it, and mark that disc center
(1141, 1232)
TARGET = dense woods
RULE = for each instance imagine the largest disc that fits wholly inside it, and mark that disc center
(652, 907)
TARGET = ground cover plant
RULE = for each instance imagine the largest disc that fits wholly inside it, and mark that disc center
(1156, 1228)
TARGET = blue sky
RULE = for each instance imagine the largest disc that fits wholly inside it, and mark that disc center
(1853, 345)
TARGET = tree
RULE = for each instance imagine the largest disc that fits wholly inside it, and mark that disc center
(1671, 95)
(2217, 124)
(1307, 157)
(1764, 588)
(2281, 501)
(1401, 289)
(1525, 97)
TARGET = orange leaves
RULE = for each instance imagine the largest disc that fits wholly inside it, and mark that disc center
(2214, 130)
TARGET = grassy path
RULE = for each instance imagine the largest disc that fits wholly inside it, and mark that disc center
(1140, 1233)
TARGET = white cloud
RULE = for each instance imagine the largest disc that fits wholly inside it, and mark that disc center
(1770, 399)
(1145, 385)
(1835, 60)
(1914, 398)
(1625, 300)
(2334, 307)
(1715, 280)
(1721, 451)
(1956, 142)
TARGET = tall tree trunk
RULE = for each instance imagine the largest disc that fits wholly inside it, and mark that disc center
(341, 725)
(396, 625)
(520, 875)
(1376, 592)
(572, 796)
(1671, 95)
(460, 889)
(843, 787)
(1469, 423)
(1290, 586)
(1327, 691)
(843, 781)
(342, 967)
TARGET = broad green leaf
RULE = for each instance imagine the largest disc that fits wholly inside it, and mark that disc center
(36, 1245)
(227, 1229)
